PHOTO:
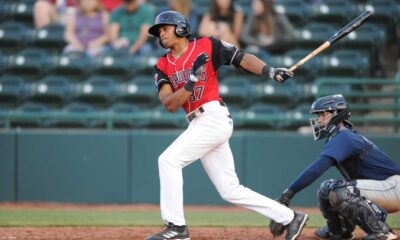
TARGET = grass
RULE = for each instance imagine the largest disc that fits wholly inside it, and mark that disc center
(64, 218)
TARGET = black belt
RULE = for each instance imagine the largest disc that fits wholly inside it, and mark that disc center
(193, 115)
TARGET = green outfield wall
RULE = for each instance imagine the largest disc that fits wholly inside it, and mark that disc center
(121, 166)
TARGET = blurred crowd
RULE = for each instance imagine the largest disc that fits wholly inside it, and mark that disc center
(98, 26)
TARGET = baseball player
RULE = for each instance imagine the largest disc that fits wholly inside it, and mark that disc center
(371, 188)
(186, 77)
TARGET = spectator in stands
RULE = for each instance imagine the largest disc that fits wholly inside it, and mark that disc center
(87, 28)
(129, 25)
(110, 5)
(185, 8)
(47, 12)
(224, 21)
(266, 29)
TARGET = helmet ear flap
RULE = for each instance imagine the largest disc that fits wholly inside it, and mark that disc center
(183, 29)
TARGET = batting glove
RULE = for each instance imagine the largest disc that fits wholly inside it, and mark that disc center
(197, 69)
(278, 74)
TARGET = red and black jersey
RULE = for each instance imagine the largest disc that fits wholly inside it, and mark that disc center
(176, 72)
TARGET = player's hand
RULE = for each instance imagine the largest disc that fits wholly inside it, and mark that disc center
(280, 74)
(198, 64)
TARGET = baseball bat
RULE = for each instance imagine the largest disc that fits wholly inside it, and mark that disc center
(354, 24)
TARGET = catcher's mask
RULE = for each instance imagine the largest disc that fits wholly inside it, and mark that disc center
(335, 104)
(182, 27)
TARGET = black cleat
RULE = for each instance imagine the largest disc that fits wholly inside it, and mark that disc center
(324, 233)
(171, 232)
(294, 228)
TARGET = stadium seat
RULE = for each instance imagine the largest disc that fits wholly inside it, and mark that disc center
(141, 90)
(296, 10)
(12, 90)
(349, 63)
(31, 115)
(286, 94)
(116, 64)
(262, 115)
(161, 118)
(313, 35)
(369, 39)
(74, 65)
(78, 115)
(122, 111)
(387, 14)
(202, 6)
(324, 88)
(307, 72)
(12, 36)
(236, 91)
(30, 63)
(52, 90)
(339, 12)
(50, 37)
(21, 10)
(97, 90)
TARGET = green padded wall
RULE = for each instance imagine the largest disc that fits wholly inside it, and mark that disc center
(73, 166)
(7, 166)
(121, 166)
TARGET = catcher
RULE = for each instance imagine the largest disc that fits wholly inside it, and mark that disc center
(371, 188)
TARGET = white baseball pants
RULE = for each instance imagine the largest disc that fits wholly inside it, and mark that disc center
(207, 139)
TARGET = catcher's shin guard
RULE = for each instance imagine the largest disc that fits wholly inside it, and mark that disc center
(346, 200)
(337, 225)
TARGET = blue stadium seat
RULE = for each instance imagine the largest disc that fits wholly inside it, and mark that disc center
(349, 63)
(31, 115)
(116, 64)
(20, 10)
(97, 90)
(12, 90)
(50, 37)
(52, 90)
(339, 12)
(313, 35)
(12, 36)
(262, 115)
(387, 14)
(296, 10)
(141, 91)
(78, 115)
(30, 63)
(307, 72)
(236, 91)
(161, 118)
(121, 108)
(369, 39)
(286, 94)
(74, 65)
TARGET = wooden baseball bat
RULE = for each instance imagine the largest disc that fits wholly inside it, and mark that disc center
(354, 24)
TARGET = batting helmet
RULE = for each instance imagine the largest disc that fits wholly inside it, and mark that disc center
(171, 18)
(337, 105)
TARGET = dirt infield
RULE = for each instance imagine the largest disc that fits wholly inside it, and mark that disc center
(134, 233)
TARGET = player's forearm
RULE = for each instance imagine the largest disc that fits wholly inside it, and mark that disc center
(172, 102)
(252, 64)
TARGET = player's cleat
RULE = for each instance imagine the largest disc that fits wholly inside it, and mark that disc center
(380, 236)
(171, 231)
(324, 233)
(294, 228)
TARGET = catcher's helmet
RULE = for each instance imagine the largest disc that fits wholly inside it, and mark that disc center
(171, 18)
(337, 105)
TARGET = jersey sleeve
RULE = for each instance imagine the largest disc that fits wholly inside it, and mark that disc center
(222, 52)
(159, 78)
(339, 147)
